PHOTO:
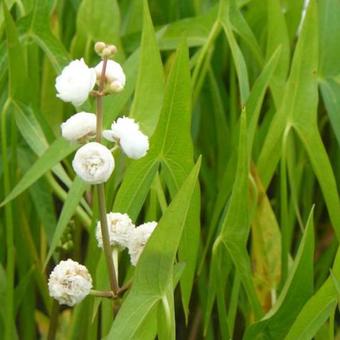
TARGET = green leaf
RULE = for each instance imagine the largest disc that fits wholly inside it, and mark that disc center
(150, 83)
(241, 27)
(176, 159)
(99, 20)
(299, 95)
(17, 76)
(41, 196)
(299, 109)
(329, 12)
(154, 271)
(74, 196)
(322, 168)
(330, 90)
(53, 155)
(113, 105)
(238, 58)
(329, 65)
(277, 37)
(166, 316)
(306, 125)
(298, 288)
(310, 321)
(218, 274)
(37, 27)
(255, 100)
(34, 136)
(135, 187)
(235, 226)
(195, 30)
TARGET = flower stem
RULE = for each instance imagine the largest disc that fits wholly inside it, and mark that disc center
(101, 191)
(106, 239)
(102, 293)
(99, 103)
(52, 330)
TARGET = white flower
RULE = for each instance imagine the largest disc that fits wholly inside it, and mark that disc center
(94, 163)
(138, 238)
(135, 145)
(78, 126)
(75, 82)
(120, 226)
(126, 132)
(69, 282)
(114, 74)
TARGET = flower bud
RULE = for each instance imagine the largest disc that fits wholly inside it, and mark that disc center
(75, 82)
(120, 227)
(79, 126)
(115, 86)
(138, 239)
(93, 163)
(69, 282)
(106, 53)
(99, 46)
(113, 50)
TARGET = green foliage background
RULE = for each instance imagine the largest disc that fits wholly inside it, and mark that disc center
(248, 251)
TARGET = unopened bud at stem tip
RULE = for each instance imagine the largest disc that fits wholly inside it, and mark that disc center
(113, 49)
(99, 47)
(106, 52)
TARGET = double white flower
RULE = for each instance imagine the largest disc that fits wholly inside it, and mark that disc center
(75, 82)
(94, 163)
(124, 234)
(69, 282)
(131, 139)
(120, 226)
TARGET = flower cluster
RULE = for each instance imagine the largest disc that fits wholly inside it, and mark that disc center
(69, 282)
(124, 234)
(94, 162)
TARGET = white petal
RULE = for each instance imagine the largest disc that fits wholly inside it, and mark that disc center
(78, 126)
(138, 239)
(135, 145)
(124, 126)
(108, 135)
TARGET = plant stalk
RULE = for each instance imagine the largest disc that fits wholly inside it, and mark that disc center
(10, 249)
(106, 239)
(52, 330)
(100, 189)
(102, 293)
